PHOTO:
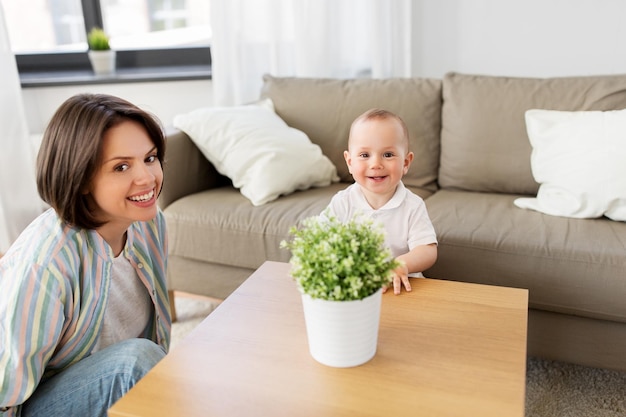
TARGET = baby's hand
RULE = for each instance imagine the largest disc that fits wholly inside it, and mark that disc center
(400, 277)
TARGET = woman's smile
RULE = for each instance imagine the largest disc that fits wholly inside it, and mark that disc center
(145, 198)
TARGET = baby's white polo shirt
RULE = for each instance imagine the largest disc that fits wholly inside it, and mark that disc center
(404, 217)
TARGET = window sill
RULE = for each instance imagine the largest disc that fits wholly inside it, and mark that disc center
(122, 75)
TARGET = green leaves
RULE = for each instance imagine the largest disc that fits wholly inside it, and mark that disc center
(339, 261)
(98, 40)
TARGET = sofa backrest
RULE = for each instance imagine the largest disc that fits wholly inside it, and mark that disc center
(324, 109)
(484, 144)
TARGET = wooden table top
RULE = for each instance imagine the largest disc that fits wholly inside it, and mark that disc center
(444, 349)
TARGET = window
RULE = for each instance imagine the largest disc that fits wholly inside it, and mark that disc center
(50, 35)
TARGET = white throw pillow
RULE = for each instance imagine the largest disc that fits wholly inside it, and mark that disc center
(257, 150)
(579, 160)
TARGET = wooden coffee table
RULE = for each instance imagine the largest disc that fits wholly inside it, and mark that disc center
(444, 349)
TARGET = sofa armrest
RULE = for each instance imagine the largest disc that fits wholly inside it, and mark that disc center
(185, 170)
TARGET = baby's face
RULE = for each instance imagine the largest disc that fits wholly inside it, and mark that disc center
(378, 155)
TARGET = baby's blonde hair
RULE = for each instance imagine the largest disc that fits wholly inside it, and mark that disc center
(381, 114)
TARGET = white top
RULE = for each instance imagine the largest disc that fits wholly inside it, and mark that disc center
(404, 217)
(128, 306)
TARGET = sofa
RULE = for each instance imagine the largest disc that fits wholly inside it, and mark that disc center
(473, 167)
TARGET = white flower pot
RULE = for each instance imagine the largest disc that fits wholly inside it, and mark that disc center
(102, 62)
(342, 333)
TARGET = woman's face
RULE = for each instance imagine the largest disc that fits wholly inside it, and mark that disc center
(126, 186)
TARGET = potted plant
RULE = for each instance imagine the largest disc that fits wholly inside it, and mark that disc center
(340, 269)
(101, 55)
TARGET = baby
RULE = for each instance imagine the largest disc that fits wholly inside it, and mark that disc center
(378, 157)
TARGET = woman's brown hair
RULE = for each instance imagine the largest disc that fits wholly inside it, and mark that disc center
(70, 151)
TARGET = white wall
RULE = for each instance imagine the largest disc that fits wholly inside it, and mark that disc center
(531, 38)
(165, 99)
(535, 38)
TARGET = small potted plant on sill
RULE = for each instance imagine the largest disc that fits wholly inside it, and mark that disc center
(340, 269)
(101, 55)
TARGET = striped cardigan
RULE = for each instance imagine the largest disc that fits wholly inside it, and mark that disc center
(53, 280)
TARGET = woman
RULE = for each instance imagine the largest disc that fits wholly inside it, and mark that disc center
(84, 310)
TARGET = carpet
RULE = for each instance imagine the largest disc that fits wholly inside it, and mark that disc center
(190, 311)
(553, 389)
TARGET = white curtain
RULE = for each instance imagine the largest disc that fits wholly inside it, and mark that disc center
(19, 201)
(307, 38)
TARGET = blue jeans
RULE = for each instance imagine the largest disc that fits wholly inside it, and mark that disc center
(92, 385)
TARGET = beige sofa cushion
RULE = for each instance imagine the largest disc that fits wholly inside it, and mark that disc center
(221, 226)
(569, 266)
(325, 108)
(484, 144)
